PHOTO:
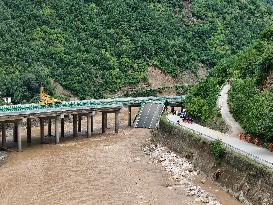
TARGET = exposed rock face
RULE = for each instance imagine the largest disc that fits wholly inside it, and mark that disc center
(60, 90)
(158, 79)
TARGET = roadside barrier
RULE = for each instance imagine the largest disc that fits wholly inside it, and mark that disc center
(246, 154)
(93, 103)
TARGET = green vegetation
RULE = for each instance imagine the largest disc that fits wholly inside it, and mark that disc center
(217, 150)
(93, 48)
(250, 99)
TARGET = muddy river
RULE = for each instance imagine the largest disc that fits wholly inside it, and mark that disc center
(104, 169)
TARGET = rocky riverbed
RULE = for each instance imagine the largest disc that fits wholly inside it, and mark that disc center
(181, 170)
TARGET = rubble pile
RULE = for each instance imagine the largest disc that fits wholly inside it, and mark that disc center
(181, 170)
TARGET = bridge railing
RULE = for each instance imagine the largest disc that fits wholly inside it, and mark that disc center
(93, 103)
(240, 151)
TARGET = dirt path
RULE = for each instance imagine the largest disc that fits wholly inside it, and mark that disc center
(234, 127)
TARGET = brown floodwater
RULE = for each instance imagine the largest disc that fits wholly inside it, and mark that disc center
(104, 169)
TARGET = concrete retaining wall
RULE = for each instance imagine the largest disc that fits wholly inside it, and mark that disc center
(241, 176)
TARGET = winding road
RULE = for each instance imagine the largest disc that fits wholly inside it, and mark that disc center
(234, 127)
(230, 139)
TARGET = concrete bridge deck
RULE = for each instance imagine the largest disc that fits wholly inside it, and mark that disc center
(17, 114)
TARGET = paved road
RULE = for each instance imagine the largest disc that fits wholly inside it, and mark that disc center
(259, 154)
(234, 127)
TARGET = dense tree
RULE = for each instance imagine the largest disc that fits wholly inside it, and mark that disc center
(93, 47)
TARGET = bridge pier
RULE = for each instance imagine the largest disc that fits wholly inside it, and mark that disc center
(129, 116)
(89, 124)
(49, 127)
(104, 121)
(15, 134)
(4, 136)
(28, 130)
(42, 130)
(48, 115)
(116, 121)
(75, 133)
(57, 129)
(62, 127)
(79, 123)
(19, 136)
(92, 121)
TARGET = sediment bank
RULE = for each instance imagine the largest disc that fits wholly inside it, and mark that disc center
(248, 181)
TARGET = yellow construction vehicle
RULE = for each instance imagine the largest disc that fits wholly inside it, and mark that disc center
(46, 99)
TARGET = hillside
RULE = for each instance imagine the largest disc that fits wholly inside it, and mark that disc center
(251, 95)
(93, 48)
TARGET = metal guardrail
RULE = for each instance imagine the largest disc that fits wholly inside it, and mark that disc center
(246, 154)
(93, 103)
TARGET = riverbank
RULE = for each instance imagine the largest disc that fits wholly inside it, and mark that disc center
(248, 181)
(104, 169)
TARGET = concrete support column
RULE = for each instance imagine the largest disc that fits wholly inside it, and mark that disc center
(4, 135)
(89, 130)
(92, 122)
(15, 134)
(42, 130)
(79, 123)
(49, 127)
(104, 121)
(62, 127)
(28, 130)
(19, 135)
(116, 121)
(129, 116)
(57, 129)
(75, 125)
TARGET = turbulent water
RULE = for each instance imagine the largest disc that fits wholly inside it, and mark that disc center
(104, 169)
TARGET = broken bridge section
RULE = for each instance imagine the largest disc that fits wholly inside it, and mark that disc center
(149, 115)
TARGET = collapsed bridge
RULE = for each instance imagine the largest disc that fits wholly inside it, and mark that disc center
(17, 114)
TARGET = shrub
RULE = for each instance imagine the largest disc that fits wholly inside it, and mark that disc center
(217, 150)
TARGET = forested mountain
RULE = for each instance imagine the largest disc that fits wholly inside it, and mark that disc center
(93, 47)
(251, 95)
